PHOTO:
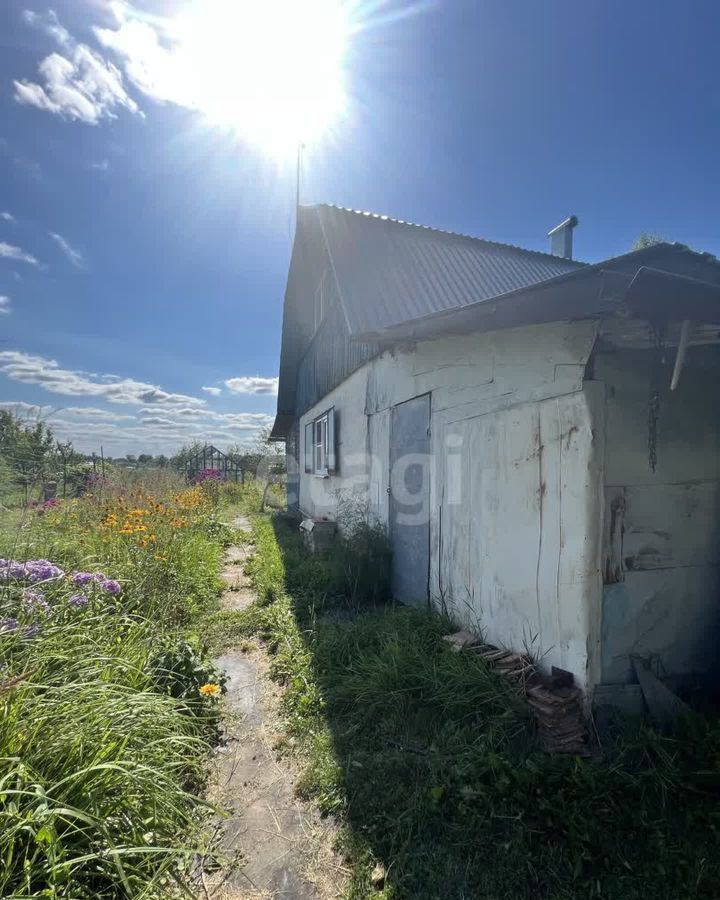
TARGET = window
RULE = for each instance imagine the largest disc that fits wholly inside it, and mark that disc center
(320, 444)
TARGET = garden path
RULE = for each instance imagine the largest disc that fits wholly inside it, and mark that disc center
(281, 846)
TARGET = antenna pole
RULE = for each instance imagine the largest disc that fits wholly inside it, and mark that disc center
(298, 178)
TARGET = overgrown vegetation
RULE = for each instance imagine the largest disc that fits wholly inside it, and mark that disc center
(108, 702)
(430, 760)
(29, 455)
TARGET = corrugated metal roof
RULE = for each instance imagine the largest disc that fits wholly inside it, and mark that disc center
(390, 272)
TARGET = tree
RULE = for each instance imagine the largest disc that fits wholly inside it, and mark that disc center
(645, 240)
(271, 453)
(67, 457)
(183, 456)
(28, 449)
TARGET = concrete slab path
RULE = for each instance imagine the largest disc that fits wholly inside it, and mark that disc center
(283, 849)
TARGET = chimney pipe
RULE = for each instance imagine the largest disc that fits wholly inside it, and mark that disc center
(561, 238)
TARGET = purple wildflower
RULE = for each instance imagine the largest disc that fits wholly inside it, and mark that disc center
(111, 586)
(212, 475)
(7, 626)
(34, 570)
(80, 578)
(99, 576)
(42, 573)
(79, 600)
(33, 600)
(31, 631)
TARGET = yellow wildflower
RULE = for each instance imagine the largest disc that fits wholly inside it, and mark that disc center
(210, 690)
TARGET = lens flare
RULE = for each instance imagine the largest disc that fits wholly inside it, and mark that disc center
(270, 70)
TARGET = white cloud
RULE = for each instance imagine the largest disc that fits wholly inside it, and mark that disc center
(252, 384)
(22, 409)
(81, 85)
(200, 416)
(7, 216)
(75, 412)
(75, 257)
(50, 24)
(100, 165)
(245, 420)
(161, 423)
(48, 374)
(149, 59)
(4, 305)
(152, 434)
(92, 412)
(215, 391)
(9, 251)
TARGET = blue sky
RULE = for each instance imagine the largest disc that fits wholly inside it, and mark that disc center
(144, 247)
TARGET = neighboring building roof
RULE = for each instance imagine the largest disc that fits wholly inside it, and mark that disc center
(390, 272)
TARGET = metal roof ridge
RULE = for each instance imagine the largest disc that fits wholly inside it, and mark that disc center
(444, 231)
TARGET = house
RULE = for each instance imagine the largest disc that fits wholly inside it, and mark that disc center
(540, 436)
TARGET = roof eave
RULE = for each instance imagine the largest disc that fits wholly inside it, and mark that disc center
(281, 427)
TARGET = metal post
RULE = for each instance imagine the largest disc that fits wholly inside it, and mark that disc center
(298, 176)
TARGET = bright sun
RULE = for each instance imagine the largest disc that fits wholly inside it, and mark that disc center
(271, 70)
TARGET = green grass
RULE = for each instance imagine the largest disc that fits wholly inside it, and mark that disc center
(429, 759)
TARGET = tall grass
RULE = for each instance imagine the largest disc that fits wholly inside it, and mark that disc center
(103, 729)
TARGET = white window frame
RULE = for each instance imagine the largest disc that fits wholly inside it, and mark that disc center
(320, 457)
(320, 445)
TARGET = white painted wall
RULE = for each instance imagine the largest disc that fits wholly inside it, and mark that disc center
(516, 479)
